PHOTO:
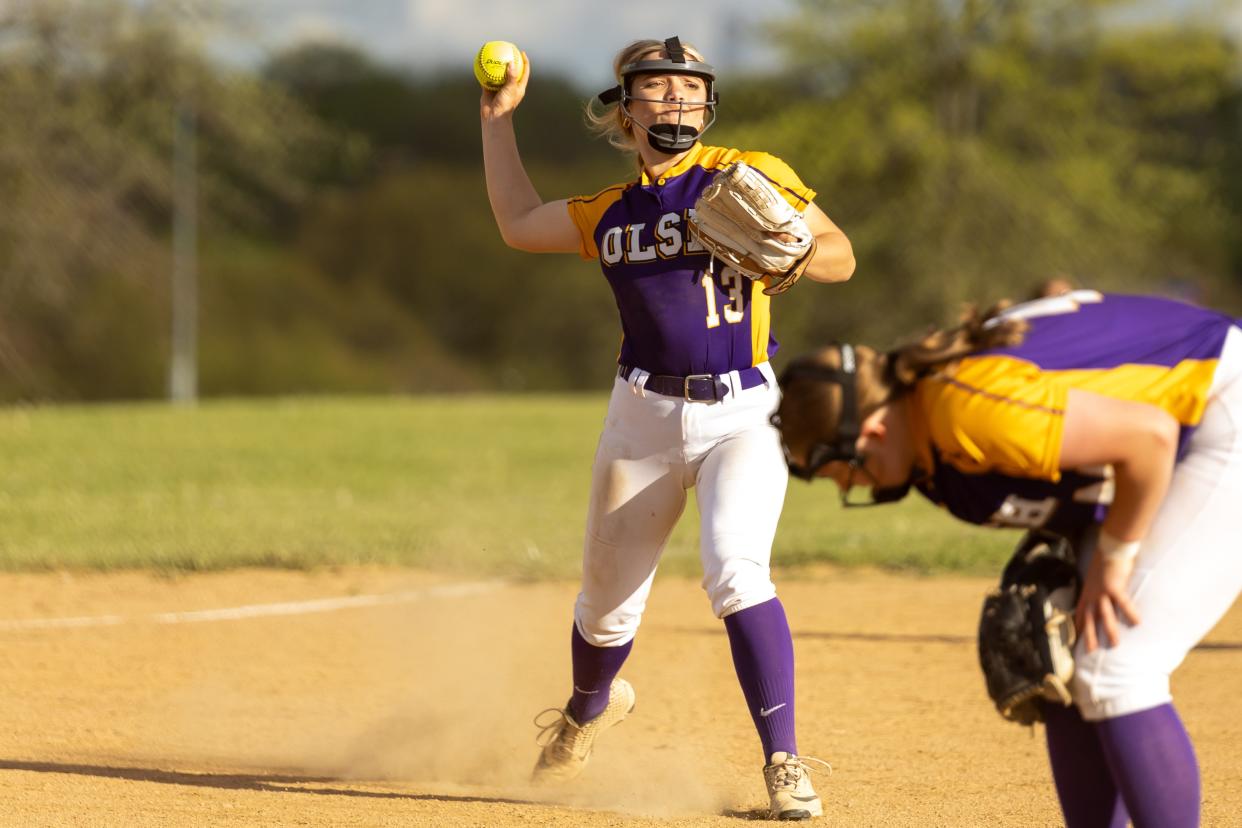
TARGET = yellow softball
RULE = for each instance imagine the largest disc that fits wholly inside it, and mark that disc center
(493, 58)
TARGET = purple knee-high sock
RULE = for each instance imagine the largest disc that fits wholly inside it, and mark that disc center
(764, 659)
(1089, 798)
(1154, 766)
(594, 670)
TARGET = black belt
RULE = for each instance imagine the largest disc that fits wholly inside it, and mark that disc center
(696, 387)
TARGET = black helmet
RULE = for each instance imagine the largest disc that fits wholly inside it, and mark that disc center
(668, 138)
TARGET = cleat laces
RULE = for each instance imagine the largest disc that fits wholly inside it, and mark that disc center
(789, 773)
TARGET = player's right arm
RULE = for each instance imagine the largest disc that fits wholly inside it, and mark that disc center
(526, 221)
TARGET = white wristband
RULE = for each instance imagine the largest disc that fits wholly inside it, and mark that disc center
(1114, 549)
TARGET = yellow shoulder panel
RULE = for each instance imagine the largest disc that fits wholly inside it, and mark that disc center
(782, 175)
(777, 171)
(996, 413)
(1182, 390)
(586, 212)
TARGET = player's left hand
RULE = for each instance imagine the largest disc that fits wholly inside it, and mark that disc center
(1103, 594)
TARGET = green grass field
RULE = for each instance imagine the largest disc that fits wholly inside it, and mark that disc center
(485, 485)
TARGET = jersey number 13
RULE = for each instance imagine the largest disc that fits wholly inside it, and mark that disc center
(731, 284)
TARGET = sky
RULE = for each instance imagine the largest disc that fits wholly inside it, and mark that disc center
(577, 38)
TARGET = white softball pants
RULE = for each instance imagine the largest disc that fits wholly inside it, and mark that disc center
(652, 450)
(1189, 568)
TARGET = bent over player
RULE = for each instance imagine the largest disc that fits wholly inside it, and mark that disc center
(1032, 417)
(690, 400)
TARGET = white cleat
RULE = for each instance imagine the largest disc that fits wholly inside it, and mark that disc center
(567, 745)
(789, 787)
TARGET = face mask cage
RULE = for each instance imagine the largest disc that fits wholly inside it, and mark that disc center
(845, 447)
(668, 138)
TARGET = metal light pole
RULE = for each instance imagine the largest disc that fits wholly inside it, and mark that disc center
(183, 367)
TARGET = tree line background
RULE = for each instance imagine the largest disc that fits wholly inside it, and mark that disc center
(969, 149)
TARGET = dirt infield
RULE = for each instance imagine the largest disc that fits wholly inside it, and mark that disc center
(416, 709)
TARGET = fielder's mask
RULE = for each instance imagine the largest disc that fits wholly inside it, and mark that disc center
(844, 444)
(668, 138)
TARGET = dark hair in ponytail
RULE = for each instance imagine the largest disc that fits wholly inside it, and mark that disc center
(976, 332)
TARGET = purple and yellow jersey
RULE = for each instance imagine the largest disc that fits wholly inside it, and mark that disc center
(995, 419)
(677, 317)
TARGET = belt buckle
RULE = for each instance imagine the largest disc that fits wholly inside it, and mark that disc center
(686, 386)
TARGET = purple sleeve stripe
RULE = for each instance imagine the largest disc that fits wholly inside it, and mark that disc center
(781, 186)
(970, 389)
(601, 193)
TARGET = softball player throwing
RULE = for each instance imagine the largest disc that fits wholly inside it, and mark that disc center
(690, 400)
(1117, 414)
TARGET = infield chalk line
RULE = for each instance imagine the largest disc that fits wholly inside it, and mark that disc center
(256, 610)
